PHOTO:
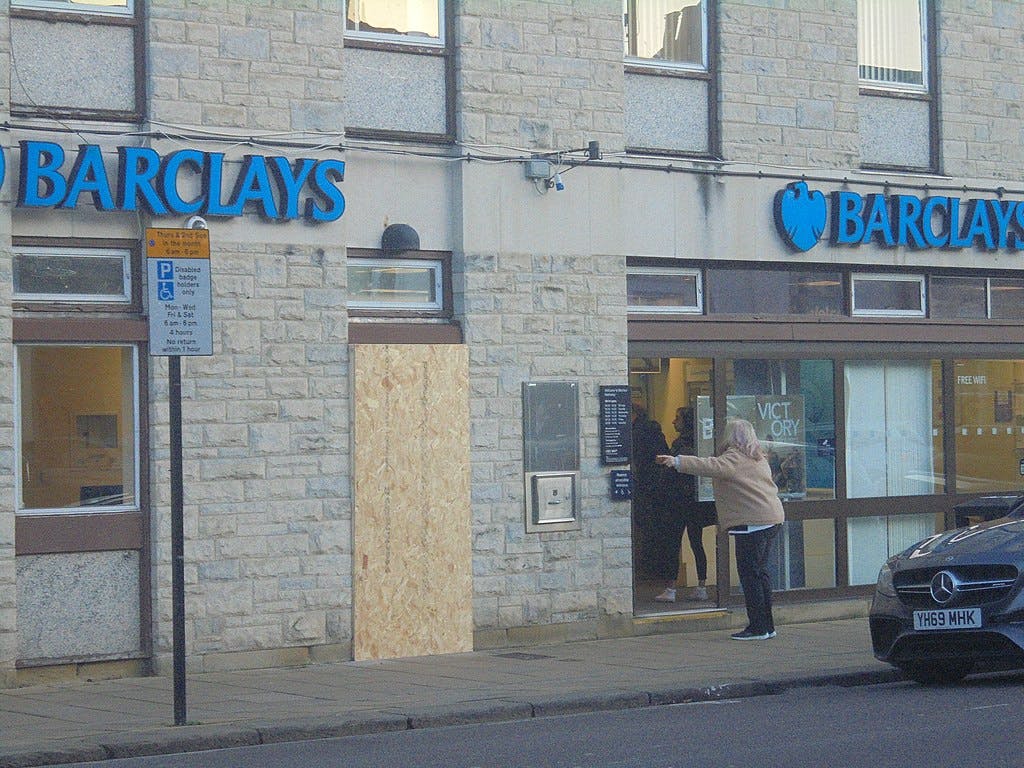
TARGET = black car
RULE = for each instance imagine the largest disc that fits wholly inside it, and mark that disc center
(954, 603)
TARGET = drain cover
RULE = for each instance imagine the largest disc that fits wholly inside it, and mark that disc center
(522, 656)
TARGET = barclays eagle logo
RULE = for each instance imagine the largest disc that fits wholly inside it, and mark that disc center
(800, 215)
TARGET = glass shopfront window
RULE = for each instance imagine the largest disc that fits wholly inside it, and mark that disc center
(1007, 298)
(77, 427)
(893, 448)
(989, 397)
(791, 405)
(893, 428)
(870, 541)
(806, 557)
(954, 298)
(664, 290)
(900, 442)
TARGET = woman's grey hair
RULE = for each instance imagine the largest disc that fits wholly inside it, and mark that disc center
(740, 434)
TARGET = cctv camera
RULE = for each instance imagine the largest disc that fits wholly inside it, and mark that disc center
(196, 222)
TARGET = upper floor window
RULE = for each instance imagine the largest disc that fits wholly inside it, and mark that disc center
(112, 7)
(666, 32)
(892, 42)
(404, 21)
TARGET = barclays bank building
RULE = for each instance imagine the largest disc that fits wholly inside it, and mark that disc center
(451, 248)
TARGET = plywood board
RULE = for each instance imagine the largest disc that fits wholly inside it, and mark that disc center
(412, 521)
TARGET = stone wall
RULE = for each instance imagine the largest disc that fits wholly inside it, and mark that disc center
(789, 83)
(252, 66)
(266, 464)
(981, 73)
(8, 591)
(543, 317)
(266, 418)
(541, 74)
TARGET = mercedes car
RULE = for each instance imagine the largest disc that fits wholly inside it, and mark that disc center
(953, 604)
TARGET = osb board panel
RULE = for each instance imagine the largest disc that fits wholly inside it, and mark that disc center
(412, 522)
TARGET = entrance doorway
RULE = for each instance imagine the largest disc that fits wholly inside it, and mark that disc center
(674, 535)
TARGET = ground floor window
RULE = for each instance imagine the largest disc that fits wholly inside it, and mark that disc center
(791, 405)
(77, 425)
(873, 540)
(870, 454)
(893, 428)
(989, 396)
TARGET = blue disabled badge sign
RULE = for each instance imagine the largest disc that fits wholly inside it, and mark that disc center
(180, 304)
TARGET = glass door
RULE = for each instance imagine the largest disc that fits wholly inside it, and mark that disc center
(674, 533)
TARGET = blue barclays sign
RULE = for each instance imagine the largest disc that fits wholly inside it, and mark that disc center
(891, 221)
(274, 187)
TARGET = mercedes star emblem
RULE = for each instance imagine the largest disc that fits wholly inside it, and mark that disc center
(944, 587)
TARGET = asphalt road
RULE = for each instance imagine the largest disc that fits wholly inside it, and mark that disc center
(971, 724)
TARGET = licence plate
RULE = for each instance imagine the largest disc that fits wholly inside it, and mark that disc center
(948, 618)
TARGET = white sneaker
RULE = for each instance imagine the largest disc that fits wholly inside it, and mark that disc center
(699, 594)
(668, 596)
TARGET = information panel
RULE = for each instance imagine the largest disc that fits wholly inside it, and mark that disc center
(180, 303)
(615, 424)
(621, 484)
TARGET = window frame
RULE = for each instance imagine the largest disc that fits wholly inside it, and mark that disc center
(906, 88)
(933, 276)
(400, 40)
(19, 509)
(125, 298)
(920, 279)
(67, 6)
(662, 64)
(696, 273)
(440, 262)
(989, 297)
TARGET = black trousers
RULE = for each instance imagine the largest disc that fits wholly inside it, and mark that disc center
(752, 553)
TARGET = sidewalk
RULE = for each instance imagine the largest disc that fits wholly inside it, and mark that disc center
(80, 721)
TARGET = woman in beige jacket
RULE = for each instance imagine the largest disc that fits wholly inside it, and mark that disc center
(748, 505)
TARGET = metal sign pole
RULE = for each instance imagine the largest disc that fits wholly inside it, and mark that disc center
(180, 323)
(177, 540)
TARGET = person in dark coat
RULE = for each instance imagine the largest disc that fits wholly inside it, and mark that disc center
(648, 490)
(683, 513)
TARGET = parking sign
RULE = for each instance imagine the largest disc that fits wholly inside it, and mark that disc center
(180, 304)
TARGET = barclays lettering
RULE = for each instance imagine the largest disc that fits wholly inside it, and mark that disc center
(272, 186)
(891, 221)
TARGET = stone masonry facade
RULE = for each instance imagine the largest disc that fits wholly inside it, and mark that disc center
(268, 503)
(268, 494)
(8, 582)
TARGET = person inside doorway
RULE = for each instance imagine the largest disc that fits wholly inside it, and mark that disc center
(648, 491)
(748, 506)
(682, 514)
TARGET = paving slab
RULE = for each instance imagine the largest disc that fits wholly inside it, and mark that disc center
(83, 721)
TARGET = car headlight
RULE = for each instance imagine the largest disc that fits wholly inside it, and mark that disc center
(885, 585)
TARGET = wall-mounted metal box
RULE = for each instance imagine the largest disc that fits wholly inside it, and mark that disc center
(551, 455)
(554, 498)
